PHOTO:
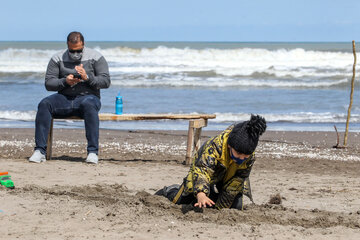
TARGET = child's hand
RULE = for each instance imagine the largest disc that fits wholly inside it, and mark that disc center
(203, 200)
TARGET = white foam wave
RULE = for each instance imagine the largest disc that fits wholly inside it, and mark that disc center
(299, 117)
(24, 60)
(281, 63)
(181, 81)
(232, 62)
(17, 115)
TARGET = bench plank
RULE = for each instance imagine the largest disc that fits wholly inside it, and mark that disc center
(196, 123)
(132, 117)
(135, 117)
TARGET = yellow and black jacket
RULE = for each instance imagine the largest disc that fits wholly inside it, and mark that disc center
(212, 165)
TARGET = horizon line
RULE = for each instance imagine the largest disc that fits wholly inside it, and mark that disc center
(178, 41)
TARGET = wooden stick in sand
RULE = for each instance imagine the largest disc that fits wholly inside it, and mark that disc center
(351, 96)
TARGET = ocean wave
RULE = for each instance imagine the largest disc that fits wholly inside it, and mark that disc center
(180, 81)
(230, 58)
(293, 73)
(14, 60)
(296, 63)
(17, 115)
(21, 78)
(323, 68)
(296, 117)
(247, 58)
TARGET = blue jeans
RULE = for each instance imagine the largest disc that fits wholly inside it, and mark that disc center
(58, 106)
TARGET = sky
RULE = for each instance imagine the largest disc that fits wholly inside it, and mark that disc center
(182, 20)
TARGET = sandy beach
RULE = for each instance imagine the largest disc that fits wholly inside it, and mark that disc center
(64, 198)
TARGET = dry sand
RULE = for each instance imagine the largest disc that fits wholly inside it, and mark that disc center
(318, 186)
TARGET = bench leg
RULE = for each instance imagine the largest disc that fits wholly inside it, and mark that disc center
(190, 142)
(193, 141)
(197, 140)
(49, 141)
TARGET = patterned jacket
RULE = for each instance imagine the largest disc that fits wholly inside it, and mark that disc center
(212, 165)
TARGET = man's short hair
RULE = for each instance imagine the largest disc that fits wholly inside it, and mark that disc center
(75, 37)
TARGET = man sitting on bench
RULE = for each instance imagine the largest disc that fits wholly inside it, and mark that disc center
(77, 73)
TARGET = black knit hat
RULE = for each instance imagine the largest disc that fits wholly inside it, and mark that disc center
(245, 136)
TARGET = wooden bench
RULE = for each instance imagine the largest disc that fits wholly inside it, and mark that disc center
(196, 123)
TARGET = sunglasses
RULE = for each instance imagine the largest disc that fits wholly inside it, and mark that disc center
(76, 51)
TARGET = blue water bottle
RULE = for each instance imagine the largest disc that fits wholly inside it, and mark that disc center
(118, 104)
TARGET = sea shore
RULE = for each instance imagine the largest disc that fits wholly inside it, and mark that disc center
(64, 198)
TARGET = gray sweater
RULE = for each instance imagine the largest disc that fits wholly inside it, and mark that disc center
(62, 65)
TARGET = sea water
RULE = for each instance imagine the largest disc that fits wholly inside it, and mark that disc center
(295, 86)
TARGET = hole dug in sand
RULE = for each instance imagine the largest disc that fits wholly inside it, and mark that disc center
(114, 204)
(275, 199)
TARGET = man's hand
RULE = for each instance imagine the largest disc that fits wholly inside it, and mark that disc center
(71, 80)
(203, 200)
(80, 69)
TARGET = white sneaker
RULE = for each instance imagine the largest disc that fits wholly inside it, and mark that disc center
(92, 158)
(37, 157)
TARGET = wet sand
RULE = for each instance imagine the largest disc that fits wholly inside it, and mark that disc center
(64, 198)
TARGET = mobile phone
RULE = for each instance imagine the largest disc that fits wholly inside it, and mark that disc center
(76, 75)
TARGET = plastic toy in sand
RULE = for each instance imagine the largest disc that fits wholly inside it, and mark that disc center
(5, 180)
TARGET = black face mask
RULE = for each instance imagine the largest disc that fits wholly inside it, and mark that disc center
(237, 160)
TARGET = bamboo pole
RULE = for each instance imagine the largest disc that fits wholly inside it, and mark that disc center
(351, 96)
